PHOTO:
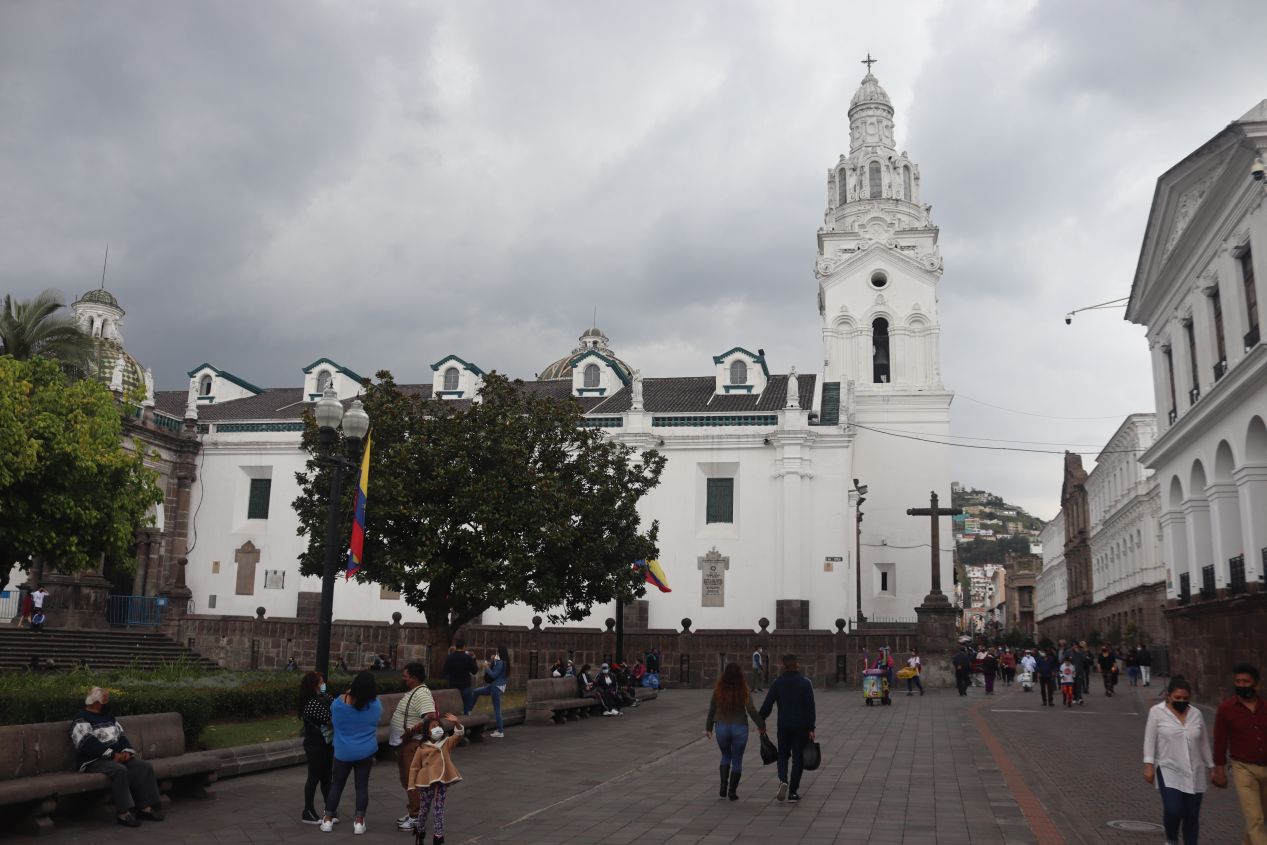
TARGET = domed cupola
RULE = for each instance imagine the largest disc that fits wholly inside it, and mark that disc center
(100, 316)
(870, 92)
(591, 340)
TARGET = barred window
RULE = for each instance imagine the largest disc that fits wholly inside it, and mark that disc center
(721, 500)
(257, 503)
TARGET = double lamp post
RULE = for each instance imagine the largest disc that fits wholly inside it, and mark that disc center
(356, 424)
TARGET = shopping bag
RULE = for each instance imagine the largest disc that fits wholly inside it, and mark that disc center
(811, 757)
(768, 752)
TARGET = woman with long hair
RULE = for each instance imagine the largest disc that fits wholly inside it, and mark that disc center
(314, 710)
(355, 717)
(496, 678)
(728, 712)
(1178, 760)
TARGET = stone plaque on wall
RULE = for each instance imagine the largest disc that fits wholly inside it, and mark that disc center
(713, 568)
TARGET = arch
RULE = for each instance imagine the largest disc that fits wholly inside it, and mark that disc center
(92, 326)
(907, 191)
(323, 381)
(880, 361)
(738, 372)
(1256, 442)
(842, 186)
(916, 321)
(875, 181)
(451, 377)
(1175, 500)
(591, 375)
(204, 386)
(1224, 463)
(1197, 484)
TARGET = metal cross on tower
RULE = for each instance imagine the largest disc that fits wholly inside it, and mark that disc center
(868, 61)
(934, 513)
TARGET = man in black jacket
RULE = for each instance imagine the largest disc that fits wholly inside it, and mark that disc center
(962, 661)
(794, 695)
(101, 746)
(459, 668)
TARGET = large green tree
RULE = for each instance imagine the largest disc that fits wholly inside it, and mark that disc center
(69, 490)
(33, 328)
(477, 505)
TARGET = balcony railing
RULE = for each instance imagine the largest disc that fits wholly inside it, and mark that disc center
(1185, 588)
(1207, 582)
(1236, 575)
(1193, 395)
(1220, 370)
(1251, 338)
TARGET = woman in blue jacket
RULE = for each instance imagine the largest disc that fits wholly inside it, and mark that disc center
(496, 676)
(355, 717)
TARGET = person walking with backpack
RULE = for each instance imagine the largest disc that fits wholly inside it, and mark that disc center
(793, 693)
(728, 712)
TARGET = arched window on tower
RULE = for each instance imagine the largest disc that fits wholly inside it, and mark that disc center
(323, 381)
(875, 183)
(907, 191)
(204, 386)
(738, 372)
(591, 375)
(451, 378)
(880, 351)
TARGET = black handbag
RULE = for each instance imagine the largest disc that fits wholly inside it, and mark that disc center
(811, 757)
(768, 752)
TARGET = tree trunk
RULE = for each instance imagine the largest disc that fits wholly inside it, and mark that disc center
(439, 638)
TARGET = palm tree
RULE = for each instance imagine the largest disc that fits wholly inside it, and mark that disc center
(34, 329)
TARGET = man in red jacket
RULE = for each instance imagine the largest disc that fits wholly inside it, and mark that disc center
(1240, 733)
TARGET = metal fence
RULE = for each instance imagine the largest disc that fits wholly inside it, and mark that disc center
(135, 611)
(10, 603)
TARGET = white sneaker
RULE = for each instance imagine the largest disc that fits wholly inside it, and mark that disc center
(327, 826)
(607, 712)
(619, 712)
(410, 823)
(781, 795)
(497, 734)
(358, 827)
(403, 819)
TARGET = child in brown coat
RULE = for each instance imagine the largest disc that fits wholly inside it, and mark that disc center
(432, 771)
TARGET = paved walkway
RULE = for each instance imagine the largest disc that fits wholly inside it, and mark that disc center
(937, 770)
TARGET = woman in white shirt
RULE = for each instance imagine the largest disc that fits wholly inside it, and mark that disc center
(1177, 758)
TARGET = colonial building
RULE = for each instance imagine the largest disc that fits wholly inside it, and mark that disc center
(1199, 290)
(1051, 587)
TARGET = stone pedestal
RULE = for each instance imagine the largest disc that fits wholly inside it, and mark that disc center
(791, 615)
(936, 628)
(76, 601)
(637, 615)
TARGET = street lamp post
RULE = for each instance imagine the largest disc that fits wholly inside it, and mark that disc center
(861, 490)
(356, 423)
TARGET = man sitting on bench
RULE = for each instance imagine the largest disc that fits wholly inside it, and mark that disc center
(102, 747)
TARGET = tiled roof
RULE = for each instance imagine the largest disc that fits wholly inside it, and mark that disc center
(684, 395)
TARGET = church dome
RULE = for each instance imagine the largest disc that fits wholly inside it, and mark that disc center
(101, 296)
(869, 91)
(110, 356)
(592, 339)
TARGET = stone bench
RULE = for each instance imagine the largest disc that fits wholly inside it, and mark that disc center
(552, 700)
(39, 766)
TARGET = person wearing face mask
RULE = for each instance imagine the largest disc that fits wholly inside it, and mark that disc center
(406, 734)
(1240, 743)
(432, 772)
(496, 678)
(314, 710)
(1177, 759)
(608, 691)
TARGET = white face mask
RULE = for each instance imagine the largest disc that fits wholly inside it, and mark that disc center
(437, 733)
(323, 687)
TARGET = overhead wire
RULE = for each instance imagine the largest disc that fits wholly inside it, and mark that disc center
(1031, 414)
(992, 448)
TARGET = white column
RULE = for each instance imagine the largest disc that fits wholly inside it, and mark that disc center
(1196, 514)
(1174, 531)
(1225, 521)
(792, 536)
(1251, 487)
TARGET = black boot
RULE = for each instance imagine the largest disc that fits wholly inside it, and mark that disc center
(734, 786)
(725, 780)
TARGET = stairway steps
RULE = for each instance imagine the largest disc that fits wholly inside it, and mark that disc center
(105, 649)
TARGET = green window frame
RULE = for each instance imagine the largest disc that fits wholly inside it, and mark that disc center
(257, 502)
(720, 501)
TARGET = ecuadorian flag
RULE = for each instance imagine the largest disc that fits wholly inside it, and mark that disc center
(357, 550)
(654, 574)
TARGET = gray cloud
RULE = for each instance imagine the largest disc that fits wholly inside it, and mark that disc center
(386, 185)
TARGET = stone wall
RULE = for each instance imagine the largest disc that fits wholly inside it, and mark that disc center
(1142, 605)
(688, 658)
(1209, 638)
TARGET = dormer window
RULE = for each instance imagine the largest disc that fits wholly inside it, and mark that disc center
(323, 381)
(204, 386)
(738, 372)
(591, 375)
(451, 378)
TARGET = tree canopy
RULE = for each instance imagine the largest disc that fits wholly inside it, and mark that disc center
(33, 328)
(70, 491)
(481, 504)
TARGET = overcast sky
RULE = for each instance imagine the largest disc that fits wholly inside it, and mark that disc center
(387, 183)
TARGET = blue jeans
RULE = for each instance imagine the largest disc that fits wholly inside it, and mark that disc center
(495, 693)
(913, 682)
(732, 740)
(468, 699)
(1179, 808)
(792, 742)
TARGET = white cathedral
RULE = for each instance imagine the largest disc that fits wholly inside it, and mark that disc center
(757, 504)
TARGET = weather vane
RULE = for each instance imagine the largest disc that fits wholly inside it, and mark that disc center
(868, 61)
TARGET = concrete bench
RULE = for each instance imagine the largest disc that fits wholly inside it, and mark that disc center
(447, 701)
(552, 700)
(40, 767)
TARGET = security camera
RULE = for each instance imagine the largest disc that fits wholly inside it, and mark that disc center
(1258, 169)
(1068, 319)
